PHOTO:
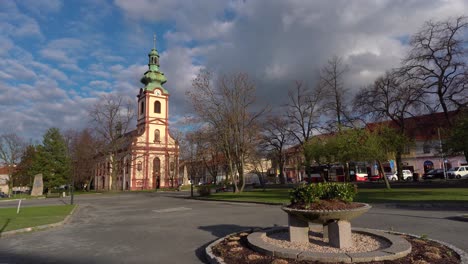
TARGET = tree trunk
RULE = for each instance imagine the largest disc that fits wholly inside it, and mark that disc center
(346, 172)
(281, 171)
(382, 173)
(399, 165)
(241, 174)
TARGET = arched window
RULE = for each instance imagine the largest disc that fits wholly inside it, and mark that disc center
(157, 107)
(157, 136)
(142, 108)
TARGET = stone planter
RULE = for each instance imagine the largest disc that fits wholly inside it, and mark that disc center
(336, 225)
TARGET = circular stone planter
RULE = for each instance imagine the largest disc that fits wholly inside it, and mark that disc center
(324, 216)
(213, 259)
(336, 225)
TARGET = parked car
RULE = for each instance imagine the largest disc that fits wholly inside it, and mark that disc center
(407, 176)
(458, 172)
(434, 174)
(3, 195)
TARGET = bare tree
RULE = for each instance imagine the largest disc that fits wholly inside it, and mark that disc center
(83, 150)
(438, 57)
(303, 112)
(391, 98)
(335, 93)
(275, 138)
(111, 117)
(227, 108)
(11, 151)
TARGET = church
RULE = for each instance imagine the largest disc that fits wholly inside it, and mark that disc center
(149, 159)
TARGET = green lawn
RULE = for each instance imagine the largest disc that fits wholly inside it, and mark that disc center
(280, 196)
(32, 216)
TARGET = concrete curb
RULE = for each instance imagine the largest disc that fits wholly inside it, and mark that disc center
(454, 206)
(463, 255)
(212, 259)
(229, 201)
(439, 206)
(41, 227)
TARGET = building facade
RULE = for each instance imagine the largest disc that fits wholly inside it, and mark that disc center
(427, 134)
(149, 158)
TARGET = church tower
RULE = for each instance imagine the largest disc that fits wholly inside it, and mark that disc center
(154, 151)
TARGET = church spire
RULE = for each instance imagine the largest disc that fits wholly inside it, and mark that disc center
(153, 77)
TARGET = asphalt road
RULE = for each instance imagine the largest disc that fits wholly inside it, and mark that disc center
(167, 228)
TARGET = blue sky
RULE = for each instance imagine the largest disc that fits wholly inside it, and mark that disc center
(57, 57)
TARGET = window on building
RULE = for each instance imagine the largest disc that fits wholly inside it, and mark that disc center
(139, 166)
(142, 108)
(157, 107)
(406, 150)
(426, 148)
(157, 136)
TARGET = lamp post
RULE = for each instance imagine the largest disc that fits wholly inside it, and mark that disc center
(191, 185)
(442, 154)
(73, 183)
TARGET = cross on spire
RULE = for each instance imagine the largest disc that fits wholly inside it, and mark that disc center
(154, 40)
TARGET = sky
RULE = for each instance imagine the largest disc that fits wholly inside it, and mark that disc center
(58, 57)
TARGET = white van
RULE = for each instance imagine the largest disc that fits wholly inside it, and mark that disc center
(458, 172)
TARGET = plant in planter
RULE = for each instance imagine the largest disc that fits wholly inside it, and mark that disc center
(327, 203)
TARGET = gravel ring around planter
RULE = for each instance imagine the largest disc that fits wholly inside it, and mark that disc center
(213, 259)
(398, 248)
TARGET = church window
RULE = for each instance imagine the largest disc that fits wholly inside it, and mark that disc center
(142, 108)
(139, 166)
(157, 136)
(157, 107)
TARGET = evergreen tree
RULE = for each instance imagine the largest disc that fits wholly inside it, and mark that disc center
(29, 166)
(54, 158)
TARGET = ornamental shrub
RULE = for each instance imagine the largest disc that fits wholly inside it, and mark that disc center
(204, 190)
(310, 193)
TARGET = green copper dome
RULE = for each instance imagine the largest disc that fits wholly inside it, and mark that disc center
(153, 77)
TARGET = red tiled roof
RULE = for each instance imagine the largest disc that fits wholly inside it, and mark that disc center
(3, 170)
(423, 127)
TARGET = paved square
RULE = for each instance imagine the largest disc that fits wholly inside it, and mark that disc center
(166, 228)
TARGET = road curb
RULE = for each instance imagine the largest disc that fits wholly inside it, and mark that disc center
(229, 201)
(452, 206)
(41, 227)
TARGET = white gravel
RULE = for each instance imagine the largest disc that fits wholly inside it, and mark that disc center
(361, 243)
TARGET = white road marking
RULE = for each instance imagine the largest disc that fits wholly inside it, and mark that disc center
(170, 210)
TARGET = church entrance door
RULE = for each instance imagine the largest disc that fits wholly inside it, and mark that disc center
(156, 173)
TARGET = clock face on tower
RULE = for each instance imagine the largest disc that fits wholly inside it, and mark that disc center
(158, 92)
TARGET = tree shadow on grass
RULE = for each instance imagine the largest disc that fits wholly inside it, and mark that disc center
(5, 225)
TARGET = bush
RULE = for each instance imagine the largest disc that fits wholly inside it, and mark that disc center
(204, 190)
(310, 193)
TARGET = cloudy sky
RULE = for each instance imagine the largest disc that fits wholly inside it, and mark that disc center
(57, 57)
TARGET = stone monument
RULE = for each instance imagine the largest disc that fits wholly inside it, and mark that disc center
(38, 186)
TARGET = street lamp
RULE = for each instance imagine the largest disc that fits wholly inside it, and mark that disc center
(73, 182)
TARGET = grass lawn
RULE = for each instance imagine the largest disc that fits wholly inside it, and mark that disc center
(403, 195)
(32, 216)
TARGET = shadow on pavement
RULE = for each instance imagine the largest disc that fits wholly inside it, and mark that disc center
(8, 257)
